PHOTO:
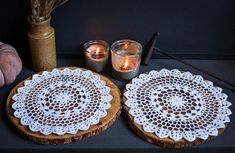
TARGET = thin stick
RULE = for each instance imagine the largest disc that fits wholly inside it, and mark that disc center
(150, 51)
(200, 70)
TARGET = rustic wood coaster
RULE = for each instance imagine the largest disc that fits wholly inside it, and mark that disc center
(151, 137)
(162, 142)
(112, 114)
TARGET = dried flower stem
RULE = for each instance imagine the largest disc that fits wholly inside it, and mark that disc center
(42, 9)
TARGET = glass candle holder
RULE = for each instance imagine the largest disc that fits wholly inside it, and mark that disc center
(126, 58)
(96, 54)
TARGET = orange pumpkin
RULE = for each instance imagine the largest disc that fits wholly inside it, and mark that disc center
(10, 64)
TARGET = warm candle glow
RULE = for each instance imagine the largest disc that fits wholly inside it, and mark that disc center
(98, 54)
(126, 57)
(126, 46)
(126, 64)
(97, 51)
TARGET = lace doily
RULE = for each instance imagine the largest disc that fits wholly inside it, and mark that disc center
(177, 105)
(62, 101)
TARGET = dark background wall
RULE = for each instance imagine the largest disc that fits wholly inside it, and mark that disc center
(189, 28)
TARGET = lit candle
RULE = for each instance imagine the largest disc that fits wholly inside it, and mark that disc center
(125, 67)
(97, 54)
(126, 57)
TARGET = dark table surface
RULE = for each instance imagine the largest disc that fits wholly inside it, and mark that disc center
(119, 137)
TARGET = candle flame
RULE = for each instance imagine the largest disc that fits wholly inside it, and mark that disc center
(126, 63)
(126, 46)
(97, 51)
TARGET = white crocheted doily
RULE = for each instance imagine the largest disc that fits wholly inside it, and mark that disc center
(177, 105)
(62, 101)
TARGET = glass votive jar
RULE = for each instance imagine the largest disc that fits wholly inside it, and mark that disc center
(96, 54)
(126, 58)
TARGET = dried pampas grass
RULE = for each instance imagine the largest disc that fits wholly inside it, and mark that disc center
(41, 9)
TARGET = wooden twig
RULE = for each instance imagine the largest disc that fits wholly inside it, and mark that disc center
(41, 9)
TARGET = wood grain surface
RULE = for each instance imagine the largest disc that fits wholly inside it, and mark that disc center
(112, 114)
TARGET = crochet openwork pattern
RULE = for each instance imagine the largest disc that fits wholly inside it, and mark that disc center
(177, 105)
(62, 101)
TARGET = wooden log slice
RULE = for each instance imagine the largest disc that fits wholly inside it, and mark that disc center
(112, 114)
(154, 139)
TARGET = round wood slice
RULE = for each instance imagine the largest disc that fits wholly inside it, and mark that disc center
(154, 139)
(112, 113)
